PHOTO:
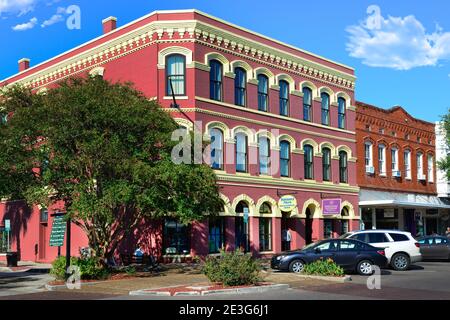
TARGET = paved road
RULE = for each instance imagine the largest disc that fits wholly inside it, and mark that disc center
(19, 283)
(427, 280)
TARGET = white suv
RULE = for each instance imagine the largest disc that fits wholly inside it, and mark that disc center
(401, 248)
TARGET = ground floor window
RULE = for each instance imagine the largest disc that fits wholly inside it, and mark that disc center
(5, 240)
(387, 218)
(366, 214)
(216, 234)
(344, 226)
(176, 238)
(242, 234)
(265, 234)
(327, 229)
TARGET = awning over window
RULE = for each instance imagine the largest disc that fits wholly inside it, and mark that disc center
(369, 198)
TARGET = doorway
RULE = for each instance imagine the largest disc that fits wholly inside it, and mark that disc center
(308, 226)
(42, 241)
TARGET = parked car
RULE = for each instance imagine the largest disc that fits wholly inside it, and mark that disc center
(434, 247)
(351, 255)
(401, 248)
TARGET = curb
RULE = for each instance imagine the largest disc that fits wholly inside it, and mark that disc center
(211, 292)
(347, 278)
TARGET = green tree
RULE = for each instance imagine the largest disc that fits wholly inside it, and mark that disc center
(444, 163)
(105, 150)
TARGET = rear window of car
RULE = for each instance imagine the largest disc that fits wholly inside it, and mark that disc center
(399, 237)
(377, 237)
(348, 245)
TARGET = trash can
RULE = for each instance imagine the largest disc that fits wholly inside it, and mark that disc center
(11, 259)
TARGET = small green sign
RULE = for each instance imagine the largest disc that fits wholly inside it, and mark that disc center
(58, 231)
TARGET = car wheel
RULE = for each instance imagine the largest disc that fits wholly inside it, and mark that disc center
(400, 262)
(364, 268)
(296, 266)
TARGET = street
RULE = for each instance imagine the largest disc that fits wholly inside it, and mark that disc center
(425, 281)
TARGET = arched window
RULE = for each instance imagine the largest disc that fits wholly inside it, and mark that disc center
(343, 171)
(309, 161)
(326, 164)
(241, 152)
(394, 160)
(382, 159)
(325, 108)
(240, 83)
(265, 228)
(241, 227)
(419, 162)
(216, 148)
(307, 104)
(284, 98)
(341, 113)
(407, 161)
(285, 156)
(264, 155)
(215, 80)
(368, 157)
(175, 74)
(430, 168)
(263, 92)
(344, 223)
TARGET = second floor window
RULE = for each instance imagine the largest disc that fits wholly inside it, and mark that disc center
(325, 108)
(407, 161)
(326, 164)
(430, 168)
(216, 149)
(343, 172)
(368, 154)
(241, 152)
(341, 113)
(309, 162)
(240, 81)
(285, 152)
(264, 155)
(175, 74)
(382, 159)
(394, 159)
(419, 161)
(284, 98)
(215, 80)
(307, 104)
(263, 93)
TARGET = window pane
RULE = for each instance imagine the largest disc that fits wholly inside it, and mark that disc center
(285, 149)
(263, 92)
(308, 162)
(325, 109)
(215, 80)
(176, 238)
(284, 98)
(175, 74)
(240, 86)
(216, 234)
(216, 148)
(241, 153)
(326, 158)
(343, 167)
(264, 155)
(341, 112)
(307, 97)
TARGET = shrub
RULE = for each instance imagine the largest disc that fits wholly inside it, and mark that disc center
(90, 268)
(232, 269)
(324, 268)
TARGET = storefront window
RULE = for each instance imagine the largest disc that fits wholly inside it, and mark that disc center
(5, 245)
(366, 214)
(242, 228)
(176, 238)
(387, 218)
(216, 234)
(327, 229)
(265, 228)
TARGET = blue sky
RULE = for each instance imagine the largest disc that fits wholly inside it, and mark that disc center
(401, 57)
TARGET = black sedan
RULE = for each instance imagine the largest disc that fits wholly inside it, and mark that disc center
(351, 255)
(434, 247)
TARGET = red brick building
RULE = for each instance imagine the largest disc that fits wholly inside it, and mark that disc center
(396, 171)
(283, 122)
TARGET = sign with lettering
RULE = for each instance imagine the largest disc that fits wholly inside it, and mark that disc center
(287, 203)
(331, 206)
(58, 231)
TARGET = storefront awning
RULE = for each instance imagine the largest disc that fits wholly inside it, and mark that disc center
(370, 198)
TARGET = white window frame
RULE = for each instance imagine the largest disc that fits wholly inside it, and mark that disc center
(430, 168)
(407, 159)
(368, 154)
(382, 159)
(394, 159)
(419, 160)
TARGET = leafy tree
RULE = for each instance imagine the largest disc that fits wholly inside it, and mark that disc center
(103, 149)
(444, 163)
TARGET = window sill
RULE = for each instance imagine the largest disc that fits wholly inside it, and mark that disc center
(243, 174)
(176, 97)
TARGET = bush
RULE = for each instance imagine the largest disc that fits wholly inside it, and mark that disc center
(324, 268)
(90, 268)
(232, 269)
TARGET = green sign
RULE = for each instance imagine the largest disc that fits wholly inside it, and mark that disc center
(58, 231)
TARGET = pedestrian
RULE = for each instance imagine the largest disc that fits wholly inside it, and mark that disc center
(447, 233)
(286, 239)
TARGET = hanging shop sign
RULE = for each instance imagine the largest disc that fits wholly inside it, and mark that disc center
(287, 203)
(331, 206)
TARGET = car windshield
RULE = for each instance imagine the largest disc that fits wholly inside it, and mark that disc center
(312, 245)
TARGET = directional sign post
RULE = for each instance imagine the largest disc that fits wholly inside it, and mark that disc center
(58, 231)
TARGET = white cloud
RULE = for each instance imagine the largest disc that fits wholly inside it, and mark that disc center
(26, 26)
(54, 19)
(17, 6)
(397, 43)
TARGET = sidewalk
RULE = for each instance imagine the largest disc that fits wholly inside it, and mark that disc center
(24, 266)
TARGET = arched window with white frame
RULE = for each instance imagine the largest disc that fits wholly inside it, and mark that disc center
(341, 112)
(382, 159)
(264, 155)
(263, 92)
(215, 80)
(368, 157)
(419, 162)
(430, 168)
(325, 108)
(240, 86)
(241, 152)
(407, 163)
(394, 161)
(216, 148)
